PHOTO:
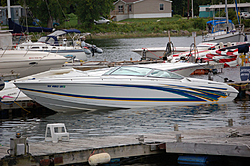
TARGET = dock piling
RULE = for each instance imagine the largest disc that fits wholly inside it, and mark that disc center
(230, 122)
(176, 127)
(141, 138)
(178, 138)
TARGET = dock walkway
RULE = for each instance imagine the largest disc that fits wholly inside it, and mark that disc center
(222, 141)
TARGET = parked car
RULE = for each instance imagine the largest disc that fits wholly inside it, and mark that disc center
(102, 20)
(245, 15)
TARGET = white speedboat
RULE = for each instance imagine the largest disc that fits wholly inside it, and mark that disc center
(202, 55)
(159, 52)
(10, 92)
(123, 87)
(18, 63)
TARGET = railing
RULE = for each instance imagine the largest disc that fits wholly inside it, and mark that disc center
(238, 27)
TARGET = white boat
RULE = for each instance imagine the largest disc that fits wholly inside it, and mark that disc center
(74, 49)
(9, 92)
(224, 30)
(201, 55)
(18, 63)
(123, 87)
(220, 33)
(159, 52)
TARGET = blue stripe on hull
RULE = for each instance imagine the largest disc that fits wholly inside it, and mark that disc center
(189, 94)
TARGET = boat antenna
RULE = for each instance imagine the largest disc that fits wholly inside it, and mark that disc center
(226, 13)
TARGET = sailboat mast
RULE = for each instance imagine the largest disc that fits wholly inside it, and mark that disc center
(226, 13)
(8, 5)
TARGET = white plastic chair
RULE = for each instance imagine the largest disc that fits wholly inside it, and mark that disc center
(56, 132)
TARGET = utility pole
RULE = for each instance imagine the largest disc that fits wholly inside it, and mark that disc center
(188, 10)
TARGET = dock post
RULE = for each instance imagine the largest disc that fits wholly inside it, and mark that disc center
(141, 138)
(230, 122)
(10, 113)
(176, 127)
(178, 137)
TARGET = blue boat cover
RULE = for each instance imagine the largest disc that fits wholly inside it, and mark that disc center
(220, 25)
(216, 22)
(71, 30)
(19, 28)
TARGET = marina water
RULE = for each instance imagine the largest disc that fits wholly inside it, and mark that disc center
(132, 121)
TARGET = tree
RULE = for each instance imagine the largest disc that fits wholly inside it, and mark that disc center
(47, 11)
(12, 2)
(90, 10)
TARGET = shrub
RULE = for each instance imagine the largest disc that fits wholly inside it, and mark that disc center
(199, 23)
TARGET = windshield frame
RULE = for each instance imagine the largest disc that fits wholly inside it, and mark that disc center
(142, 72)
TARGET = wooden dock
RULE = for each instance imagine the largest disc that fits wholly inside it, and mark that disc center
(222, 141)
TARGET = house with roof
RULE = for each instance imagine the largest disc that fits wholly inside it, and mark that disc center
(125, 9)
(211, 10)
(17, 11)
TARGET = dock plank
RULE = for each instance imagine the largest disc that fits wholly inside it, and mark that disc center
(225, 141)
(208, 149)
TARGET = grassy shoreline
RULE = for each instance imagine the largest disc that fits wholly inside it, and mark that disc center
(116, 35)
(138, 28)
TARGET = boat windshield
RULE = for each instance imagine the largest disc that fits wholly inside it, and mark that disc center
(142, 71)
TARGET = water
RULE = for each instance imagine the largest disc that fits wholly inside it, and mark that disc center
(120, 49)
(130, 121)
(133, 121)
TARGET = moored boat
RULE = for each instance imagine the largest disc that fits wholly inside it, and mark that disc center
(20, 63)
(123, 87)
(221, 31)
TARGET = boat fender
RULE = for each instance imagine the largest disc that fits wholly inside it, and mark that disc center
(2, 84)
(99, 158)
(99, 50)
(86, 50)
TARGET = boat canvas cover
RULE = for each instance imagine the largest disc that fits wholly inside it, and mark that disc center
(64, 31)
(19, 28)
(54, 35)
(220, 25)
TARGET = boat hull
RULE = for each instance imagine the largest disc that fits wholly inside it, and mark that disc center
(103, 94)
(78, 53)
(23, 63)
(231, 37)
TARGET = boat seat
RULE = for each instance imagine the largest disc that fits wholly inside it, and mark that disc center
(56, 132)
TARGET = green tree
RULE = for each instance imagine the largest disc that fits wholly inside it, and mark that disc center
(47, 11)
(12, 2)
(231, 14)
(90, 10)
